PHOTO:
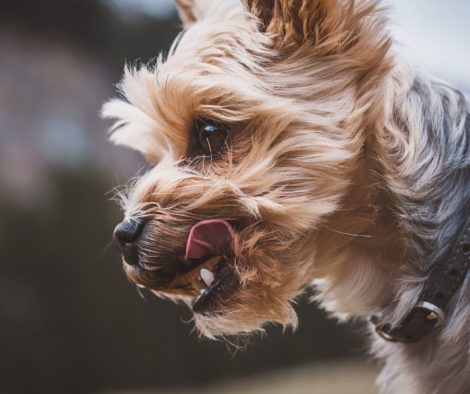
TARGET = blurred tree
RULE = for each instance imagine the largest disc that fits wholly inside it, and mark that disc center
(92, 28)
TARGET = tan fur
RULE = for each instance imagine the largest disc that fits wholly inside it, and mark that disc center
(310, 91)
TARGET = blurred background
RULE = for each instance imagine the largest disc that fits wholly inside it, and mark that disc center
(69, 320)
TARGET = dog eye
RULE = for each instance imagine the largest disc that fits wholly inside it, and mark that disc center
(211, 136)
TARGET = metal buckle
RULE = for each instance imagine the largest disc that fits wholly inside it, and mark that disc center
(433, 312)
(382, 334)
(380, 327)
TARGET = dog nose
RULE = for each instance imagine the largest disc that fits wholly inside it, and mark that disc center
(125, 236)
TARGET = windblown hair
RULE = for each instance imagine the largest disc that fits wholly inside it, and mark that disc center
(345, 169)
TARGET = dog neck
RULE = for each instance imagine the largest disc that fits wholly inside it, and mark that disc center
(407, 205)
(396, 211)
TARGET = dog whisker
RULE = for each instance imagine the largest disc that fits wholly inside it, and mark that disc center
(349, 234)
(140, 292)
(105, 249)
(210, 152)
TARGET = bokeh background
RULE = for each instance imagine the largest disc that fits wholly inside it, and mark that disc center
(69, 320)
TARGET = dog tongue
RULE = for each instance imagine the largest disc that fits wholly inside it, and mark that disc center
(209, 237)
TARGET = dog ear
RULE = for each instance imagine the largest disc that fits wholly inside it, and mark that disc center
(190, 11)
(293, 23)
(186, 11)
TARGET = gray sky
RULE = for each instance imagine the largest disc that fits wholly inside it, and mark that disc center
(435, 36)
(158, 8)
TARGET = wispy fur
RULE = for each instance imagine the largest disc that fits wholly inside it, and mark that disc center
(346, 168)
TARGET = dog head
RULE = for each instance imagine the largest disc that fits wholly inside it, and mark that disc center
(253, 125)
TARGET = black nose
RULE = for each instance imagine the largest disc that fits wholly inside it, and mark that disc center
(125, 237)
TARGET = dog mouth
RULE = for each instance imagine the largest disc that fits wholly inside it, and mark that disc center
(208, 274)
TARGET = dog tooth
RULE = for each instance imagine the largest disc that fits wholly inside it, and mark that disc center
(202, 291)
(207, 276)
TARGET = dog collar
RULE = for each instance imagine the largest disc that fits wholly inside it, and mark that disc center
(445, 278)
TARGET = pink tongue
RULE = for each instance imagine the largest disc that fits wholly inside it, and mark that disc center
(209, 237)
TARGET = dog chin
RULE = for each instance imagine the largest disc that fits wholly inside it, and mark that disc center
(238, 318)
(235, 294)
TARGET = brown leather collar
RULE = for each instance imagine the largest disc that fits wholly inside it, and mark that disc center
(446, 277)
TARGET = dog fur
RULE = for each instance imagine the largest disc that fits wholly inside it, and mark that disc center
(346, 170)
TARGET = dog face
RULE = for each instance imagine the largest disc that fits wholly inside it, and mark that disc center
(251, 125)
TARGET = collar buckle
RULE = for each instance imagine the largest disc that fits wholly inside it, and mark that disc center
(422, 319)
(433, 313)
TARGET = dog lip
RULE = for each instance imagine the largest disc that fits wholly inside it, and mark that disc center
(224, 284)
(179, 281)
(209, 237)
(207, 241)
(131, 255)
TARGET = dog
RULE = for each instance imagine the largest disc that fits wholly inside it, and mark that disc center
(292, 149)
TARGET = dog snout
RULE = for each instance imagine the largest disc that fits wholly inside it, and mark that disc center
(125, 236)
